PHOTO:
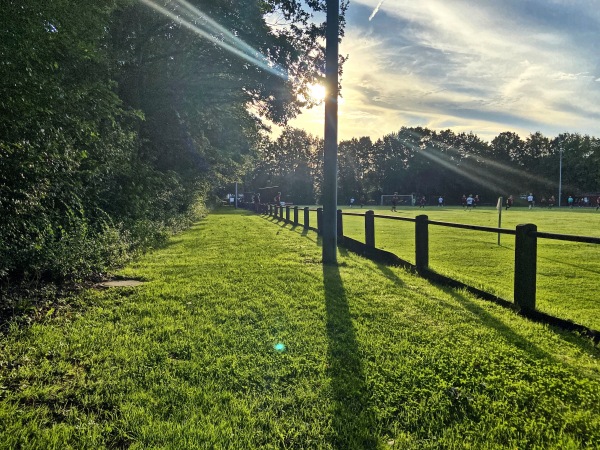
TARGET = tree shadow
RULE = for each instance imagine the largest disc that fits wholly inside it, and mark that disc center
(353, 422)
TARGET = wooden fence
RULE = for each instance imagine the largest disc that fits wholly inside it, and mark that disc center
(525, 269)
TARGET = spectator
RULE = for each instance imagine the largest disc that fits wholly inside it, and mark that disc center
(256, 202)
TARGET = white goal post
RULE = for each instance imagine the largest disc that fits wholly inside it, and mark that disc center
(403, 200)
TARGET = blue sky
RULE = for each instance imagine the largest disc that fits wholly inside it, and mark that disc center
(469, 65)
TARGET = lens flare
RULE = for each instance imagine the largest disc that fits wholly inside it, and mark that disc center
(279, 347)
(198, 22)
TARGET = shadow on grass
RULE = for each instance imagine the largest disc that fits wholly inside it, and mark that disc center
(564, 263)
(390, 274)
(518, 340)
(353, 422)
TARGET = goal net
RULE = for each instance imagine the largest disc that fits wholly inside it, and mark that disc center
(403, 200)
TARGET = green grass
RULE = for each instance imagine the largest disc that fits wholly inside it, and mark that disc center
(567, 272)
(374, 358)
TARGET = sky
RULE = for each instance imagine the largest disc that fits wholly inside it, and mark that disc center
(485, 66)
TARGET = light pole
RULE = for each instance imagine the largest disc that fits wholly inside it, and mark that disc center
(331, 132)
(560, 149)
(236, 194)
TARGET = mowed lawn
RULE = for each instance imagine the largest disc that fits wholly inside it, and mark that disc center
(568, 273)
(241, 339)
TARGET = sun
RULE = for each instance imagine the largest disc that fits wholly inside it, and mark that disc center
(316, 92)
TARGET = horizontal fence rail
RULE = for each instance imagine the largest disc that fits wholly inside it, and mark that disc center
(568, 237)
(472, 227)
(525, 269)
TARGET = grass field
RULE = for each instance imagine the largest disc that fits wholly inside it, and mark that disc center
(568, 273)
(241, 339)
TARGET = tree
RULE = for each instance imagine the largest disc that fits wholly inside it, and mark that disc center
(115, 120)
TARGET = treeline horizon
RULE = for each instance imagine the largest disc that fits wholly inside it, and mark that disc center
(424, 162)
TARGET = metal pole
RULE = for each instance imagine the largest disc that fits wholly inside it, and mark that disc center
(236, 195)
(499, 207)
(329, 232)
(560, 177)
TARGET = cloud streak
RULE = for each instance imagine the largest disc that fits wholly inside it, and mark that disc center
(376, 10)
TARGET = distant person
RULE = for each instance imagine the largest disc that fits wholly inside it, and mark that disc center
(543, 202)
(586, 202)
(463, 201)
(422, 202)
(362, 201)
(530, 200)
(551, 202)
(470, 200)
(570, 201)
(351, 201)
(441, 202)
(476, 200)
(597, 203)
(394, 201)
(256, 202)
(509, 202)
(278, 201)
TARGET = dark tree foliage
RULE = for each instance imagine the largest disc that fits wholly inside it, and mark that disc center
(115, 121)
(432, 163)
(293, 163)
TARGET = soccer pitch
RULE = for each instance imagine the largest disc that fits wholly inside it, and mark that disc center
(567, 272)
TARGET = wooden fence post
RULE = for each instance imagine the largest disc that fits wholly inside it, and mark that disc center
(270, 210)
(319, 220)
(306, 218)
(421, 242)
(340, 226)
(525, 266)
(287, 213)
(370, 228)
(281, 212)
(295, 215)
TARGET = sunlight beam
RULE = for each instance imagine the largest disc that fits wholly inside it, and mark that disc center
(235, 46)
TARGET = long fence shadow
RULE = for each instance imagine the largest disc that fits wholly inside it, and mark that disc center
(518, 340)
(353, 422)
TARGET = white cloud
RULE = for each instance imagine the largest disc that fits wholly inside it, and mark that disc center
(476, 65)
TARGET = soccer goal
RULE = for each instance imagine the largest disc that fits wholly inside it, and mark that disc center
(403, 200)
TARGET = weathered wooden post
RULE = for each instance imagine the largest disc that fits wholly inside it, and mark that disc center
(295, 215)
(281, 212)
(340, 226)
(270, 210)
(370, 228)
(422, 242)
(319, 220)
(306, 218)
(525, 266)
(287, 213)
